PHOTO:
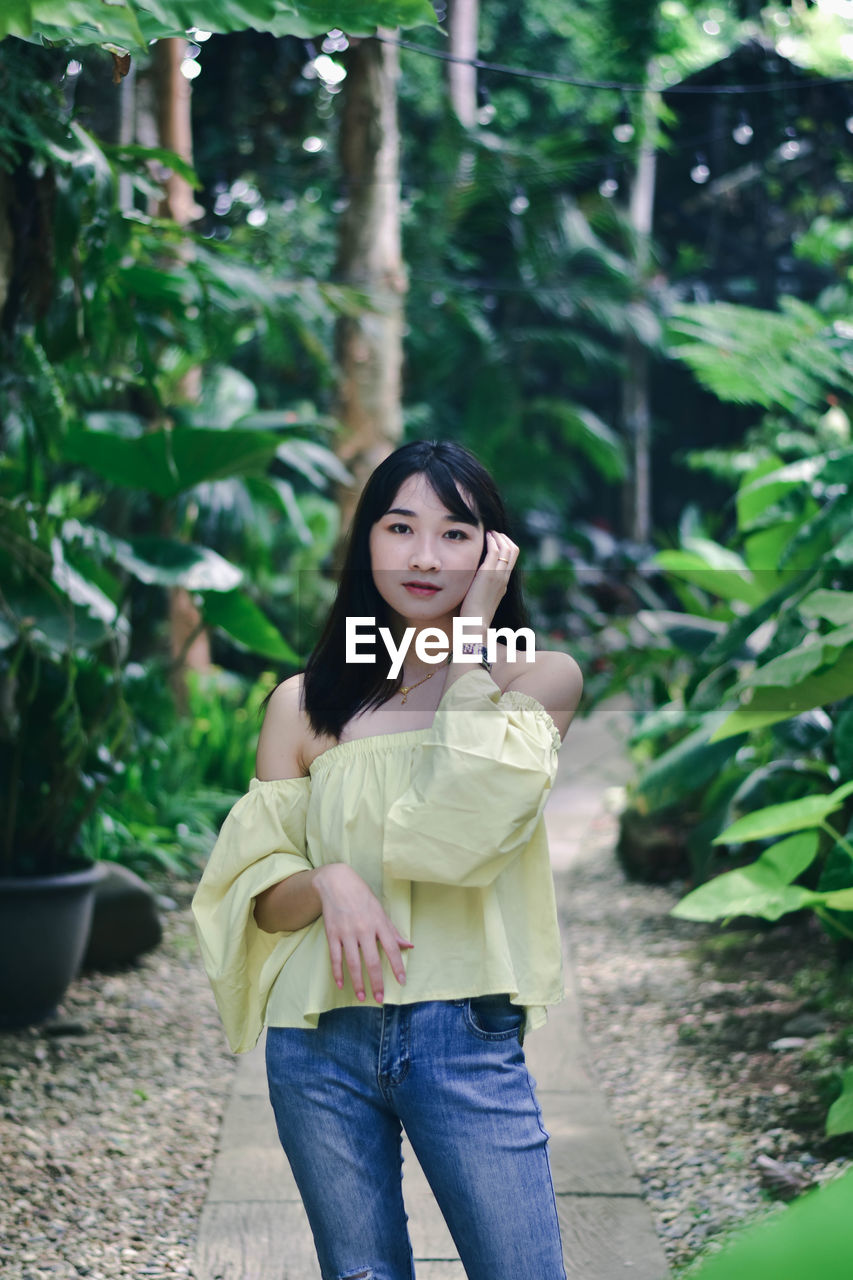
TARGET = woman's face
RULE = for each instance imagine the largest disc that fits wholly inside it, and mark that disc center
(418, 541)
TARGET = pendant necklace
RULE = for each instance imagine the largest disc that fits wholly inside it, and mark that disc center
(406, 689)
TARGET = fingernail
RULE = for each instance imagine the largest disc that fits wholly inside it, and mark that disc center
(339, 983)
(361, 995)
(379, 996)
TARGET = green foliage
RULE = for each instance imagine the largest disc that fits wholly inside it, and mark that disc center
(183, 773)
(750, 723)
(738, 690)
(133, 24)
(102, 443)
(762, 889)
(780, 819)
(809, 1238)
(840, 1118)
(734, 351)
(97, 384)
(65, 721)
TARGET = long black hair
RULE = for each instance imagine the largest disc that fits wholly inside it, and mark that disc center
(334, 691)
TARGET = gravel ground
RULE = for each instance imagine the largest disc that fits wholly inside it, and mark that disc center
(110, 1113)
(680, 1020)
(109, 1118)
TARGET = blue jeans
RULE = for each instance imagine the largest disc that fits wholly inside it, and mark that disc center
(452, 1073)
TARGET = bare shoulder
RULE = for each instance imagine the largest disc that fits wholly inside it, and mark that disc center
(284, 734)
(554, 679)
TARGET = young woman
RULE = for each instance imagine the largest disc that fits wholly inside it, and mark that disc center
(381, 899)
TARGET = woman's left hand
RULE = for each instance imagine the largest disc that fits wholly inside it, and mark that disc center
(489, 584)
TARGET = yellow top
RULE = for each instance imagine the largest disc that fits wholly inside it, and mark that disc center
(444, 824)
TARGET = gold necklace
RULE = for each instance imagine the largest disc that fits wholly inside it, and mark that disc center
(406, 689)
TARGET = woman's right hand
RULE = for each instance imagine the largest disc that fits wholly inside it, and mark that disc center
(356, 925)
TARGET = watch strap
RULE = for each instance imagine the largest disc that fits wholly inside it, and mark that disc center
(471, 647)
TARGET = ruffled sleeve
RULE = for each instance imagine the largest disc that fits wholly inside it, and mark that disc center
(262, 841)
(478, 790)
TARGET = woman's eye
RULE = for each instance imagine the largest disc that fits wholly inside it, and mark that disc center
(457, 535)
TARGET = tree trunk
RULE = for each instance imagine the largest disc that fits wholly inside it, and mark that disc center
(463, 22)
(189, 641)
(636, 412)
(127, 133)
(174, 126)
(369, 346)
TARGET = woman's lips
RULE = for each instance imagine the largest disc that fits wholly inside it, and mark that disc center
(417, 590)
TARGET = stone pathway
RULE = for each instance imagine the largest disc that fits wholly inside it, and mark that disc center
(253, 1226)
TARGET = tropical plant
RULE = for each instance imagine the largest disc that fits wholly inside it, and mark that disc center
(107, 470)
(65, 720)
(809, 1237)
(133, 24)
(182, 773)
(751, 726)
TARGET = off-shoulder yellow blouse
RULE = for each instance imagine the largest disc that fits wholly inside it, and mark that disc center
(444, 823)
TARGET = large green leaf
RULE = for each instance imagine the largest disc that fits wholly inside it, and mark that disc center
(584, 431)
(809, 1238)
(725, 576)
(780, 479)
(168, 462)
(681, 630)
(155, 561)
(771, 705)
(819, 533)
(781, 819)
(763, 889)
(132, 24)
(314, 461)
(835, 606)
(76, 21)
(241, 619)
(739, 635)
(792, 668)
(753, 499)
(764, 550)
(840, 1117)
(51, 621)
(843, 553)
(689, 764)
(167, 563)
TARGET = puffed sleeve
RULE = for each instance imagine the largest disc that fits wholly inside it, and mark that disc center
(478, 790)
(262, 841)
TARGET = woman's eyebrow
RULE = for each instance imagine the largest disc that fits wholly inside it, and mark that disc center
(404, 511)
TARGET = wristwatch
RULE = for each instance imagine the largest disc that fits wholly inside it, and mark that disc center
(471, 647)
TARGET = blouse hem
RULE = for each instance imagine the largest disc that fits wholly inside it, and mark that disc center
(310, 1017)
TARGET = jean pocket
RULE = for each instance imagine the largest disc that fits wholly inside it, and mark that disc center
(494, 1017)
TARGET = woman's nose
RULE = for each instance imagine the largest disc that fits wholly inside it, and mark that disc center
(424, 555)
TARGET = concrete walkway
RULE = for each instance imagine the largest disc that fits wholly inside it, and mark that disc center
(253, 1226)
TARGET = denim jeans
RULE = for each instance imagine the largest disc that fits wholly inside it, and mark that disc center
(452, 1074)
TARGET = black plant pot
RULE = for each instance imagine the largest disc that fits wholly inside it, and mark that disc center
(44, 928)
